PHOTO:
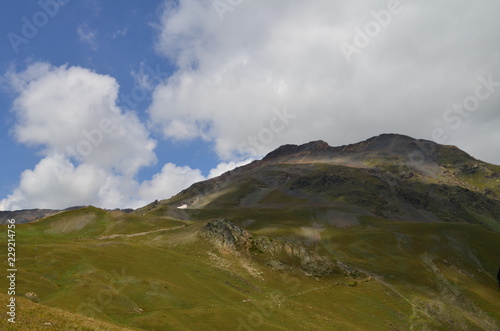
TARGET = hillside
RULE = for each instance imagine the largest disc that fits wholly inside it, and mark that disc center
(391, 233)
(31, 215)
(389, 176)
(33, 316)
(26, 215)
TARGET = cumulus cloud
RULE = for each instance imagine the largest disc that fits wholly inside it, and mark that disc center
(169, 182)
(72, 111)
(91, 149)
(55, 183)
(172, 179)
(232, 74)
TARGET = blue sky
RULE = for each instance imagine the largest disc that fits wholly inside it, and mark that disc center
(118, 103)
(120, 41)
(57, 42)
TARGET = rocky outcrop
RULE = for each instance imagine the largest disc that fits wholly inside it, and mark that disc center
(32, 296)
(310, 262)
(224, 234)
(280, 255)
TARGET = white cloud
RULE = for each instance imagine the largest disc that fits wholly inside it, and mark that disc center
(170, 181)
(71, 113)
(233, 73)
(91, 149)
(56, 183)
(87, 36)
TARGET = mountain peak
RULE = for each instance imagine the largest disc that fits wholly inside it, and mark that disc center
(318, 145)
(383, 143)
(386, 142)
(390, 175)
(285, 150)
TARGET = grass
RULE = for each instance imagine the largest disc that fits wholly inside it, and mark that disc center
(173, 280)
(33, 316)
(99, 270)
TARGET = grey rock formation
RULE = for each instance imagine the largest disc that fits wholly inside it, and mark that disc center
(224, 234)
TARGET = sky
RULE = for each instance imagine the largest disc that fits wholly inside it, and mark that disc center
(119, 103)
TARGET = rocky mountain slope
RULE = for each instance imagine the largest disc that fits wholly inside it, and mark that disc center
(390, 176)
(391, 233)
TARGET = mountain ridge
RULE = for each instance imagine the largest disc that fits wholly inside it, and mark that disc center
(384, 145)
(390, 175)
(392, 233)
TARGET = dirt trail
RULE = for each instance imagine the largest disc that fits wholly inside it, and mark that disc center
(130, 235)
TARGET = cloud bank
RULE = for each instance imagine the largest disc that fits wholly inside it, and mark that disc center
(92, 150)
(252, 75)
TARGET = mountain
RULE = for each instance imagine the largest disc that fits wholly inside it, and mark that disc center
(25, 215)
(390, 176)
(392, 233)
(31, 215)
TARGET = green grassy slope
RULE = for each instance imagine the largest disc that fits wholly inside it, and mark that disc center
(415, 276)
(388, 234)
(33, 316)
